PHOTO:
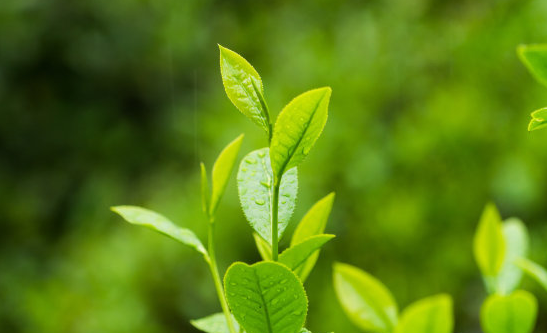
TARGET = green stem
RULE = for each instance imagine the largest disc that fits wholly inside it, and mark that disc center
(216, 276)
(274, 214)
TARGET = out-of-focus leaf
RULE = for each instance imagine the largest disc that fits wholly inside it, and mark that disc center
(215, 323)
(516, 246)
(255, 181)
(313, 223)
(534, 270)
(297, 128)
(263, 247)
(429, 315)
(539, 119)
(222, 169)
(366, 301)
(266, 297)
(534, 58)
(514, 313)
(150, 219)
(204, 189)
(296, 255)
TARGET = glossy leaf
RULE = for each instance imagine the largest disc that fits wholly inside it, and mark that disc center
(244, 87)
(204, 189)
(539, 119)
(263, 247)
(429, 315)
(222, 169)
(297, 255)
(534, 58)
(313, 223)
(514, 313)
(215, 323)
(365, 300)
(489, 244)
(254, 182)
(266, 297)
(150, 219)
(536, 271)
(516, 246)
(297, 128)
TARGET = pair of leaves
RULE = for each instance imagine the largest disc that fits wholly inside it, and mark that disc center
(497, 245)
(513, 313)
(534, 58)
(370, 305)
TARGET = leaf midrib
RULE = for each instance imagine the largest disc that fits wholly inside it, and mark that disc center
(251, 97)
(263, 301)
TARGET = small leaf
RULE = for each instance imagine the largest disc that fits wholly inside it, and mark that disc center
(366, 301)
(515, 313)
(266, 297)
(204, 189)
(295, 256)
(297, 128)
(537, 272)
(263, 247)
(255, 181)
(534, 58)
(215, 323)
(244, 87)
(313, 223)
(539, 120)
(516, 246)
(150, 219)
(222, 169)
(429, 315)
(489, 245)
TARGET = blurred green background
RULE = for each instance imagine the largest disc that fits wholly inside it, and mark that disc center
(106, 102)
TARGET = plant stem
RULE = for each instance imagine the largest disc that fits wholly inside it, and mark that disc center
(274, 214)
(216, 276)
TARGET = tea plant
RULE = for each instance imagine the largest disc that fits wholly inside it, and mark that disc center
(267, 296)
(535, 59)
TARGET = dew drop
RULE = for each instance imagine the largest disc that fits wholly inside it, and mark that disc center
(261, 154)
(265, 183)
(274, 301)
(244, 169)
(306, 150)
(260, 202)
(283, 281)
(250, 160)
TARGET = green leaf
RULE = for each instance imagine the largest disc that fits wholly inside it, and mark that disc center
(539, 119)
(215, 323)
(150, 219)
(255, 181)
(295, 256)
(537, 272)
(297, 128)
(515, 313)
(516, 246)
(313, 223)
(244, 87)
(204, 189)
(266, 297)
(263, 247)
(534, 58)
(489, 245)
(429, 315)
(366, 301)
(222, 169)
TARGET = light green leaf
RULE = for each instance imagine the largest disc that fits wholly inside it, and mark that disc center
(539, 119)
(366, 301)
(266, 297)
(429, 315)
(150, 219)
(297, 128)
(297, 255)
(534, 58)
(215, 323)
(516, 246)
(204, 189)
(537, 272)
(313, 223)
(255, 181)
(222, 169)
(514, 313)
(244, 87)
(263, 247)
(489, 245)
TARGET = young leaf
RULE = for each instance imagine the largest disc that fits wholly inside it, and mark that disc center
(204, 189)
(429, 315)
(297, 128)
(255, 181)
(266, 297)
(295, 256)
(366, 301)
(141, 216)
(244, 87)
(313, 223)
(263, 247)
(534, 58)
(539, 119)
(516, 246)
(534, 270)
(514, 313)
(215, 323)
(222, 169)
(489, 245)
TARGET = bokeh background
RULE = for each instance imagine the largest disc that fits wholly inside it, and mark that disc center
(106, 102)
